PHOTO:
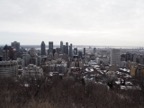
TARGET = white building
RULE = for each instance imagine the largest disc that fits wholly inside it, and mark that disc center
(55, 66)
(32, 71)
(115, 57)
(8, 68)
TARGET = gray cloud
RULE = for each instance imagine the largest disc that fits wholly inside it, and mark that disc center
(92, 21)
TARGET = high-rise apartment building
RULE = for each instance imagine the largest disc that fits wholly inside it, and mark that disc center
(115, 57)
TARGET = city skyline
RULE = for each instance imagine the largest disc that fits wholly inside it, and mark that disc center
(95, 22)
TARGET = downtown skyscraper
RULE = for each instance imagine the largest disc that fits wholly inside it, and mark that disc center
(115, 57)
(43, 49)
(61, 47)
(50, 47)
(70, 50)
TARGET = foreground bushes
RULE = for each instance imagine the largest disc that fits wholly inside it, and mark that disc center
(65, 94)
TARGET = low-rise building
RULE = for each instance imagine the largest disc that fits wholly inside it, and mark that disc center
(59, 66)
(137, 70)
(32, 71)
(8, 68)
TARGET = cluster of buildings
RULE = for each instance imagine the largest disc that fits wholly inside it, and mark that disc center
(29, 62)
(57, 66)
(98, 65)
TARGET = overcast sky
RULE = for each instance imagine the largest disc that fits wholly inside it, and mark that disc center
(81, 22)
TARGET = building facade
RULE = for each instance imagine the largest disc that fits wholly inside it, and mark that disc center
(32, 71)
(8, 68)
(67, 48)
(43, 49)
(115, 57)
(50, 47)
(61, 47)
(70, 50)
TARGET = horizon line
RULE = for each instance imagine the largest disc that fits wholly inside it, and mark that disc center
(80, 45)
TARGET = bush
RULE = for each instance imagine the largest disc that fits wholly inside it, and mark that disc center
(65, 94)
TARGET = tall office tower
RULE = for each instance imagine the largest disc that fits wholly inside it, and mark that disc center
(84, 51)
(64, 49)
(75, 52)
(94, 50)
(80, 54)
(43, 49)
(70, 50)
(61, 46)
(16, 45)
(51, 47)
(115, 57)
(67, 50)
(1, 53)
